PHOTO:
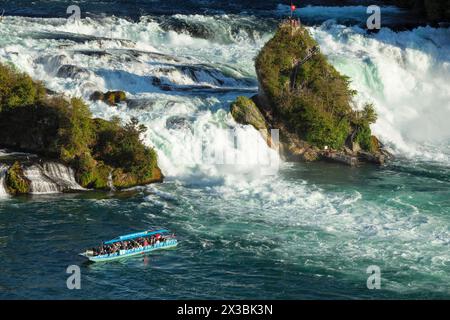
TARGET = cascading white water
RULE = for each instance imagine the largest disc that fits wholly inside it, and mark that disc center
(51, 177)
(3, 170)
(62, 175)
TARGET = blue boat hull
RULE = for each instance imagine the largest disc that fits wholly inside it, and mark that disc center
(132, 252)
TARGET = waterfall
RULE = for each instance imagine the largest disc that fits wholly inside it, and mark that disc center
(51, 177)
(406, 75)
(3, 192)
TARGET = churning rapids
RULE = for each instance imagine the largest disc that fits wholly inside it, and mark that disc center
(310, 231)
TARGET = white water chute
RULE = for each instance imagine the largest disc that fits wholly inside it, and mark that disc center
(3, 191)
(404, 73)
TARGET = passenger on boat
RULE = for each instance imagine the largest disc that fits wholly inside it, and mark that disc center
(130, 244)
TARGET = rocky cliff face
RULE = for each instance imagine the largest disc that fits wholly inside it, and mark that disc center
(306, 98)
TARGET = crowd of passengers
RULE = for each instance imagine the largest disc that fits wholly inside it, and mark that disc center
(129, 244)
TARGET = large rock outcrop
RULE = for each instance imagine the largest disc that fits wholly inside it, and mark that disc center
(310, 102)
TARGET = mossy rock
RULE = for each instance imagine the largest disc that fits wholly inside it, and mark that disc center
(16, 182)
(245, 111)
(111, 97)
(311, 155)
(309, 96)
(96, 178)
(114, 97)
(375, 144)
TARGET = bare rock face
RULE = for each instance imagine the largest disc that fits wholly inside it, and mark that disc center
(311, 104)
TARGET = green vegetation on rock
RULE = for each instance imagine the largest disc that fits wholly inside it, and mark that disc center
(434, 10)
(245, 111)
(121, 147)
(16, 182)
(56, 128)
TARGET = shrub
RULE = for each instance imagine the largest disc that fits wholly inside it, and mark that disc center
(364, 138)
(111, 97)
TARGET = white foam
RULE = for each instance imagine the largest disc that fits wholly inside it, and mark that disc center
(51, 178)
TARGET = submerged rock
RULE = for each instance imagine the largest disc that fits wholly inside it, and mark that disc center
(186, 27)
(245, 111)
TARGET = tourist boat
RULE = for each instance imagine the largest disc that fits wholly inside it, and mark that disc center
(162, 239)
